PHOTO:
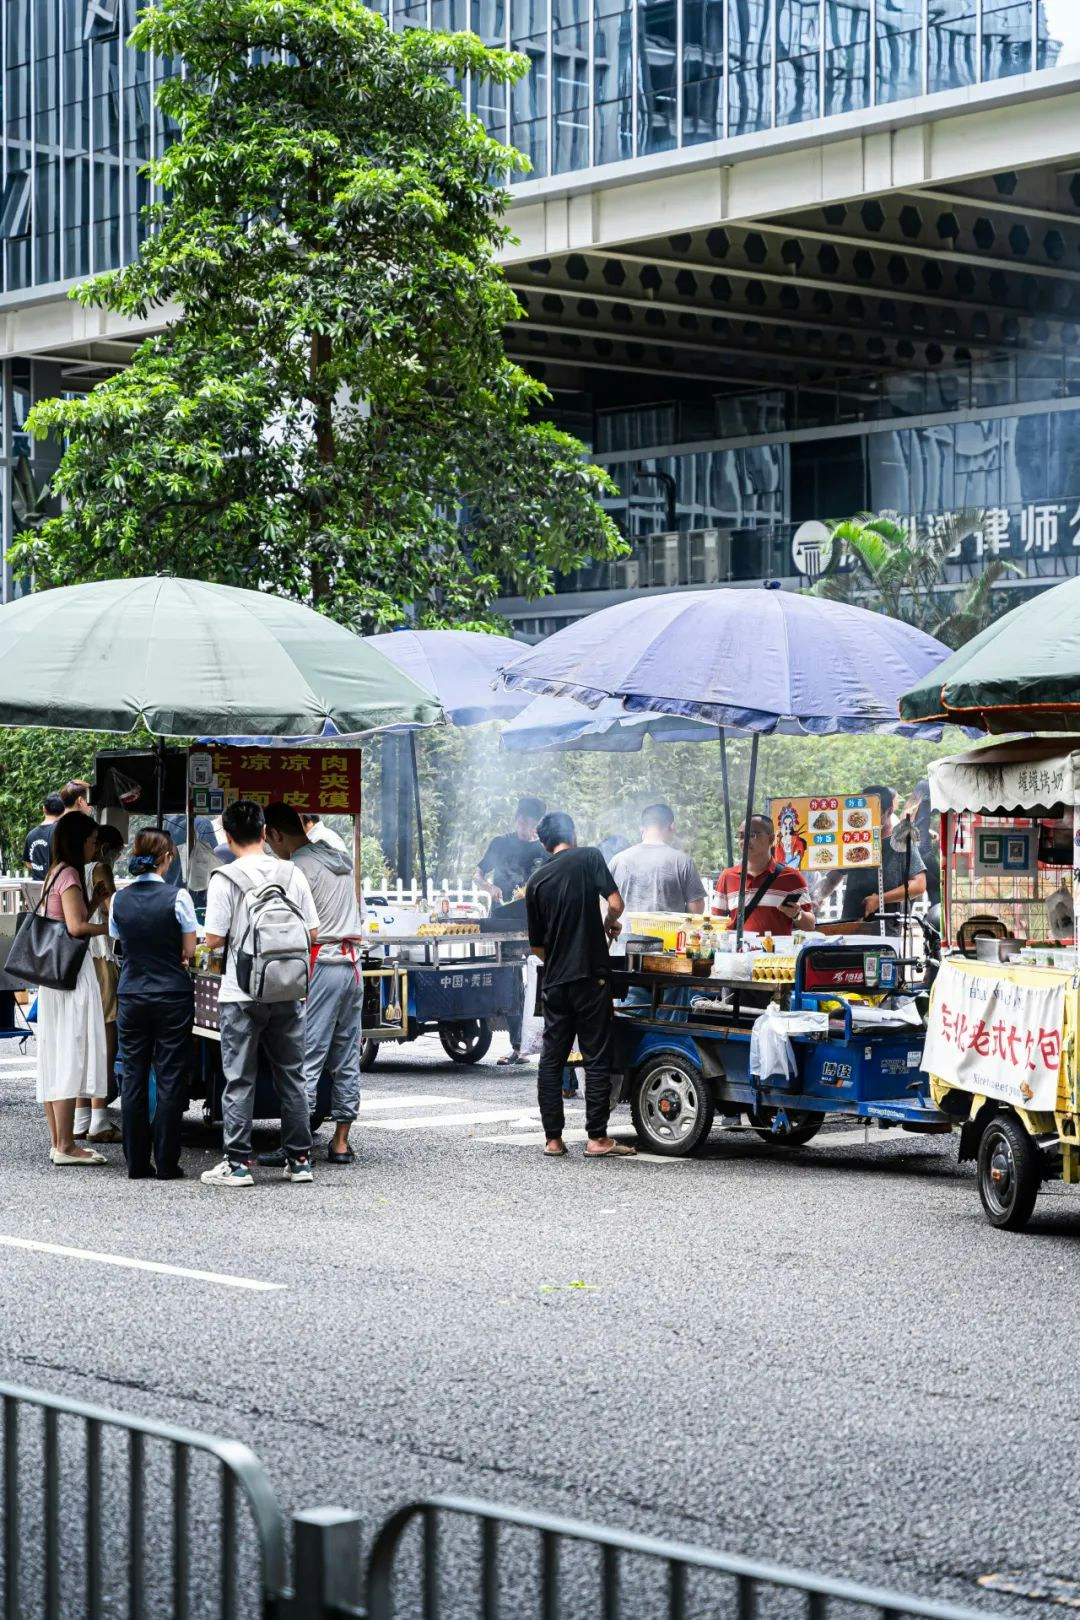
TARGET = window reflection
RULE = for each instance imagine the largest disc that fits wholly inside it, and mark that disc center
(612, 70)
(847, 55)
(951, 46)
(899, 49)
(703, 70)
(1006, 38)
(1059, 33)
(749, 29)
(798, 38)
(657, 68)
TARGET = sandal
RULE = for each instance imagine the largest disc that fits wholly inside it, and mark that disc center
(617, 1150)
(559, 1152)
(511, 1060)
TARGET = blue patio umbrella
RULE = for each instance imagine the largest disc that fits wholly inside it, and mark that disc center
(755, 661)
(559, 725)
(459, 666)
(750, 660)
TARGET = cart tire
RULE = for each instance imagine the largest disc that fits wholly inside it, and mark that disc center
(1009, 1173)
(466, 1041)
(671, 1104)
(802, 1127)
(369, 1051)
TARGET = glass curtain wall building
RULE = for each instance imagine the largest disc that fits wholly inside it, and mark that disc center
(912, 357)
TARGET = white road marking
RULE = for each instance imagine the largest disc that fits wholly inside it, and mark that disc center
(537, 1139)
(407, 1100)
(434, 1122)
(131, 1264)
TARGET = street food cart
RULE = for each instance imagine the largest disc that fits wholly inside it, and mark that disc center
(199, 782)
(456, 979)
(811, 1030)
(1001, 1048)
(453, 978)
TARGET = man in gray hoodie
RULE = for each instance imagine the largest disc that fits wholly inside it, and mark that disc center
(332, 1036)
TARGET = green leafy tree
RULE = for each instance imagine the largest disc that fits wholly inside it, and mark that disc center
(877, 562)
(333, 415)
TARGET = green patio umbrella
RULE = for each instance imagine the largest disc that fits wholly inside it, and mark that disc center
(1020, 674)
(186, 658)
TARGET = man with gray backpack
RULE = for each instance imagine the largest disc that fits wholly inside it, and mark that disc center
(263, 910)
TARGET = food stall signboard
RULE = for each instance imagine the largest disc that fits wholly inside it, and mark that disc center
(997, 1037)
(827, 833)
(319, 781)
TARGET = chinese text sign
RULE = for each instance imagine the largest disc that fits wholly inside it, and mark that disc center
(997, 1038)
(319, 781)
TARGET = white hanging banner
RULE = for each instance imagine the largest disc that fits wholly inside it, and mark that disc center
(996, 1036)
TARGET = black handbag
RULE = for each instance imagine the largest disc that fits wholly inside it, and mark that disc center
(43, 952)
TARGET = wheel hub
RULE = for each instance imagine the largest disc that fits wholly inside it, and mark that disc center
(669, 1106)
(1001, 1169)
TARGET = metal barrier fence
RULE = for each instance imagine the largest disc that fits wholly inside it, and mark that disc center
(68, 1442)
(608, 1580)
(439, 1559)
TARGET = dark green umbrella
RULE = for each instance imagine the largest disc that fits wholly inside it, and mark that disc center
(1020, 674)
(186, 658)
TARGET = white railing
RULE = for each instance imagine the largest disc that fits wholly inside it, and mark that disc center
(458, 890)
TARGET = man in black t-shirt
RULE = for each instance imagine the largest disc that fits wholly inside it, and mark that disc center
(506, 865)
(37, 845)
(511, 858)
(567, 933)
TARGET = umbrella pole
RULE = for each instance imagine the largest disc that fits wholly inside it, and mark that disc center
(160, 783)
(419, 816)
(726, 785)
(751, 784)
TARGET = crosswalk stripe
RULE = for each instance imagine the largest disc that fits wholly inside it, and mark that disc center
(408, 1100)
(435, 1122)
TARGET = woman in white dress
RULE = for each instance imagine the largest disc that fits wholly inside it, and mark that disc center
(70, 1027)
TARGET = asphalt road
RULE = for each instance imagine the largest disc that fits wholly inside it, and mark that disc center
(822, 1358)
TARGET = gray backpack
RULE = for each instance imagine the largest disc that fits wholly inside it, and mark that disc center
(271, 942)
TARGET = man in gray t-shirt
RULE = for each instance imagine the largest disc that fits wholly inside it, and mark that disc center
(652, 876)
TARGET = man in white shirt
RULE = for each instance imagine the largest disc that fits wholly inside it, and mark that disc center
(317, 832)
(335, 1000)
(276, 1029)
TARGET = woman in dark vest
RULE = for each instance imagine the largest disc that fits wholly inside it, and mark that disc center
(155, 925)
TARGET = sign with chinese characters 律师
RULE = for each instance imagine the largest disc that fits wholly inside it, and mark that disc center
(318, 781)
(997, 1036)
(827, 834)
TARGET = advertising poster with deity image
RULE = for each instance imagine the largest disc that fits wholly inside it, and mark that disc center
(827, 832)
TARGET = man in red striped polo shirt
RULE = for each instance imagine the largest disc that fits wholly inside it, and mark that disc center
(777, 899)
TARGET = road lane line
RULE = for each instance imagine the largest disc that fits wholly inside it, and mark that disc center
(130, 1264)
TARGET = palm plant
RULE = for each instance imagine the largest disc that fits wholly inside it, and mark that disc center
(880, 563)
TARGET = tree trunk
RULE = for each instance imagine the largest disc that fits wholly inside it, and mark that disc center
(321, 355)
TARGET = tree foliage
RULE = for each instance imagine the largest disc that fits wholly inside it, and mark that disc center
(877, 562)
(333, 414)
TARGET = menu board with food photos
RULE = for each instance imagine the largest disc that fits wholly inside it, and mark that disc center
(827, 833)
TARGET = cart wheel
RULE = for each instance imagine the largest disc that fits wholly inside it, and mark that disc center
(1009, 1173)
(802, 1128)
(467, 1041)
(369, 1051)
(671, 1104)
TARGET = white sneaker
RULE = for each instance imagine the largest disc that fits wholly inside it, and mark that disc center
(298, 1170)
(228, 1174)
